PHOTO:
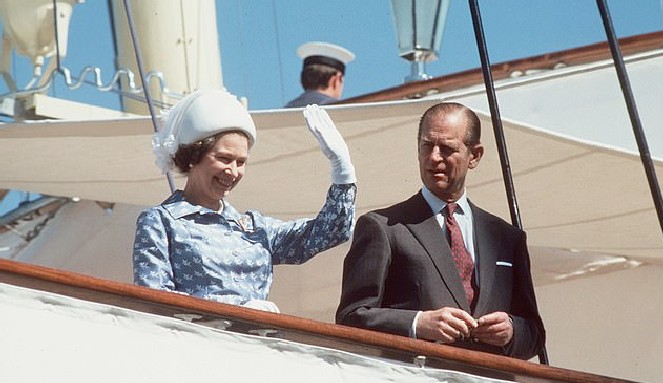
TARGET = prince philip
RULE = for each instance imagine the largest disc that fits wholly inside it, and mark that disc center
(436, 266)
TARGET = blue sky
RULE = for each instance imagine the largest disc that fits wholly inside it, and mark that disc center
(258, 39)
(513, 29)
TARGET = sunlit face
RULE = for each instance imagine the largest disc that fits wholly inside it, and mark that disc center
(219, 171)
(444, 157)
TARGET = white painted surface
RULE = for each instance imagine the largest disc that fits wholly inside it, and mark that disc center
(52, 338)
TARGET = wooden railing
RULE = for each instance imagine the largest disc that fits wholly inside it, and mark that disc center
(302, 330)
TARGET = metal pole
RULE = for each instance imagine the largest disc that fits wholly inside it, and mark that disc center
(495, 114)
(497, 128)
(57, 38)
(146, 90)
(640, 137)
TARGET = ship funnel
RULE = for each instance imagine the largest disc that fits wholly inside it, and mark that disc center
(29, 27)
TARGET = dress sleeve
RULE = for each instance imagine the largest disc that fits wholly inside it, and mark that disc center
(151, 261)
(297, 241)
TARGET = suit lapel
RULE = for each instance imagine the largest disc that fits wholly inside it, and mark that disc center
(486, 249)
(427, 231)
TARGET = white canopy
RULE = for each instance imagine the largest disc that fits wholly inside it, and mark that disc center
(572, 194)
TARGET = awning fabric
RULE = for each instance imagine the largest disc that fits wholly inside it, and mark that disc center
(572, 194)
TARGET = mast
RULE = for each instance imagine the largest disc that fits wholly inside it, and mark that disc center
(178, 38)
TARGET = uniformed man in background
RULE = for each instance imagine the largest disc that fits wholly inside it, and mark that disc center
(322, 73)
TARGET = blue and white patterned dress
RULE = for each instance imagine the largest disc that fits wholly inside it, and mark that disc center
(228, 256)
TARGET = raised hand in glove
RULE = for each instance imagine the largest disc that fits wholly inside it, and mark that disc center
(332, 144)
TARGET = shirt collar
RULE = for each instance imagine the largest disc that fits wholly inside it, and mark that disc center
(178, 207)
(436, 205)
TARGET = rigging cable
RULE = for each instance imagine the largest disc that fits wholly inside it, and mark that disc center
(495, 114)
(111, 17)
(185, 49)
(146, 90)
(639, 133)
(278, 52)
(54, 65)
(243, 44)
(498, 130)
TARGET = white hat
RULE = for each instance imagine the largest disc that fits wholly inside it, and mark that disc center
(318, 52)
(201, 114)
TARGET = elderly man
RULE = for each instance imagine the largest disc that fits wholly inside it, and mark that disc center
(436, 266)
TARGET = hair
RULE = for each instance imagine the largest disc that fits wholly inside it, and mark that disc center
(314, 77)
(191, 154)
(473, 122)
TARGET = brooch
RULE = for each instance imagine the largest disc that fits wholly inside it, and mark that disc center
(246, 223)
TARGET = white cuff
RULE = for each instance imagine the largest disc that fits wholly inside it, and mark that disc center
(343, 172)
(258, 304)
(413, 328)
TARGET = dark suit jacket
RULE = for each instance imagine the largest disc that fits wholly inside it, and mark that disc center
(400, 262)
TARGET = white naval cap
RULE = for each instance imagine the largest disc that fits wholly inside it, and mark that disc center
(322, 53)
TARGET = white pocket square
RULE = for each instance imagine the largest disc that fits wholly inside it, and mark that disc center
(502, 263)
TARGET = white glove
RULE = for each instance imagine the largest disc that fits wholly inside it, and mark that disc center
(262, 305)
(332, 144)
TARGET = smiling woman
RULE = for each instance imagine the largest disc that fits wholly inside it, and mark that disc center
(215, 165)
(198, 244)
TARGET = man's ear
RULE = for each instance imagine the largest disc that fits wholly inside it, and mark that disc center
(335, 80)
(476, 152)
